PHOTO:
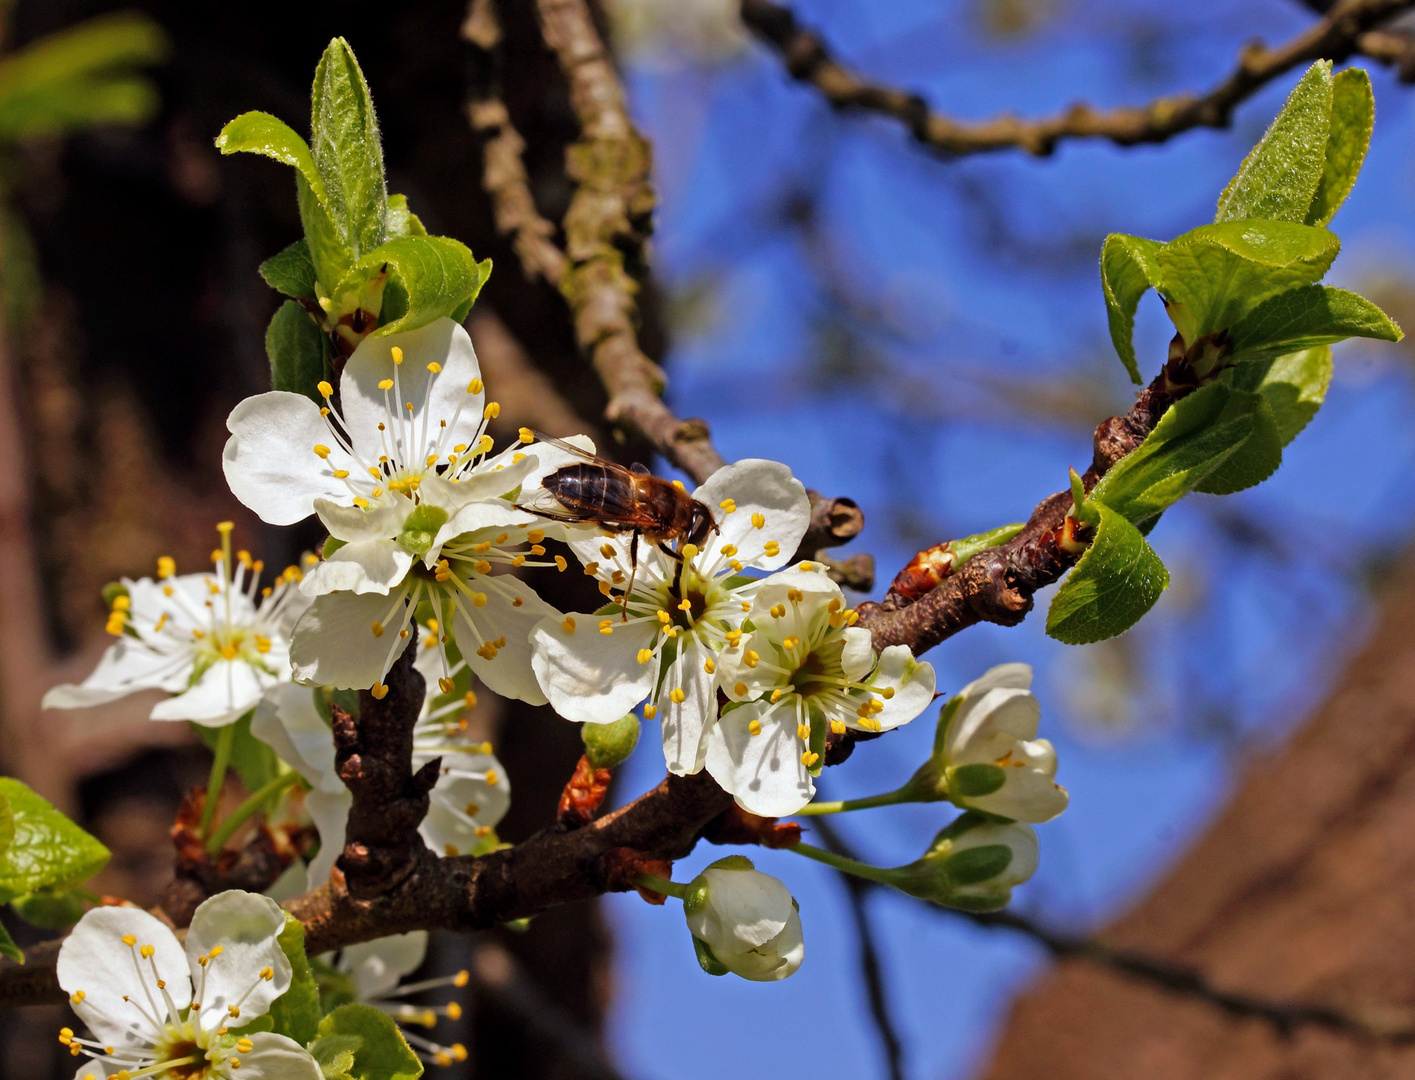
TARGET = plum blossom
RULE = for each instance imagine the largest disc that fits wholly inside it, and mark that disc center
(596, 668)
(804, 669)
(157, 1006)
(744, 921)
(400, 467)
(215, 641)
(973, 864)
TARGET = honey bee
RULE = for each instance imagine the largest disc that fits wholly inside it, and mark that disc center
(623, 500)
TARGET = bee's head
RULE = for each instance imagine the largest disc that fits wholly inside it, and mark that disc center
(700, 524)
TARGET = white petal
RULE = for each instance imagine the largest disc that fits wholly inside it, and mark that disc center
(334, 644)
(1012, 676)
(744, 909)
(857, 656)
(369, 566)
(741, 682)
(382, 520)
(687, 724)
(589, 677)
(448, 828)
(756, 486)
(224, 692)
(912, 682)
(509, 672)
(549, 458)
(270, 462)
(762, 772)
(497, 515)
(1028, 795)
(816, 588)
(274, 1057)
(127, 666)
(463, 784)
(362, 402)
(1007, 711)
(330, 813)
(245, 925)
(94, 960)
(776, 959)
(485, 482)
(287, 721)
(376, 966)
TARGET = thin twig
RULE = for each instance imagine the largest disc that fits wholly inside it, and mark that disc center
(1345, 31)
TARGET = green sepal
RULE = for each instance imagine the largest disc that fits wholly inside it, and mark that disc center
(706, 960)
(1353, 116)
(972, 866)
(1294, 386)
(53, 910)
(816, 744)
(331, 545)
(438, 274)
(335, 1055)
(48, 851)
(255, 762)
(112, 591)
(295, 1013)
(1128, 270)
(1117, 580)
(345, 146)
(1279, 177)
(381, 1054)
(975, 781)
(1305, 317)
(299, 352)
(291, 272)
(1216, 274)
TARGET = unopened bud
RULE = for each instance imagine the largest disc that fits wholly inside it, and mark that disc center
(974, 864)
(609, 745)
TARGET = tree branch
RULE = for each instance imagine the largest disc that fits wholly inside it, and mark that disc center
(1348, 28)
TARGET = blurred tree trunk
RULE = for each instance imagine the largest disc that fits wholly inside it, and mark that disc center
(1302, 891)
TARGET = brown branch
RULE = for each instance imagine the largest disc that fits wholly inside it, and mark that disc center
(1349, 28)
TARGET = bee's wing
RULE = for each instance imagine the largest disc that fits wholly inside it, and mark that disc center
(570, 448)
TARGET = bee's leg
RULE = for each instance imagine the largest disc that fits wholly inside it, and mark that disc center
(633, 570)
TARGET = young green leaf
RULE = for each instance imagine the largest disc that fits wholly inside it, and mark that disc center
(1215, 274)
(53, 910)
(1128, 269)
(7, 824)
(1253, 461)
(48, 850)
(298, 351)
(382, 1053)
(1117, 580)
(1305, 317)
(401, 220)
(1353, 115)
(1294, 386)
(295, 1013)
(346, 147)
(291, 272)
(438, 274)
(1196, 436)
(9, 948)
(1280, 175)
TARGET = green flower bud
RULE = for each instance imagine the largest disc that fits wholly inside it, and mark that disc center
(972, 865)
(609, 745)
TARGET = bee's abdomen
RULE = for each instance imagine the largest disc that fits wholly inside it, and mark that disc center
(590, 488)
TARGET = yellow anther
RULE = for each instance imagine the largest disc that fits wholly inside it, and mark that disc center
(234, 1062)
(852, 617)
(664, 617)
(408, 405)
(325, 390)
(809, 758)
(606, 588)
(216, 950)
(729, 550)
(569, 624)
(790, 642)
(870, 724)
(727, 506)
(122, 603)
(492, 410)
(431, 460)
(454, 1011)
(228, 652)
(737, 566)
(379, 691)
(617, 577)
(482, 566)
(517, 560)
(491, 777)
(677, 696)
(446, 685)
(755, 727)
(474, 387)
(375, 473)
(746, 605)
(129, 940)
(795, 596)
(771, 547)
(838, 727)
(434, 367)
(488, 651)
(778, 611)
(461, 978)
(803, 731)
(709, 666)
(378, 629)
(234, 1011)
(76, 997)
(360, 502)
(459, 1052)
(245, 1046)
(397, 354)
(650, 711)
(591, 569)
(758, 521)
(385, 384)
(526, 435)
(733, 637)
(670, 631)
(216, 557)
(685, 604)
(679, 485)
(267, 973)
(166, 566)
(536, 549)
(645, 655)
(484, 444)
(560, 563)
(740, 689)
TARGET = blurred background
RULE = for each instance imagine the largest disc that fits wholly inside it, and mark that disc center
(926, 336)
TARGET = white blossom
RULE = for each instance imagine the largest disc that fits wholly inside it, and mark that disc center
(159, 1007)
(987, 752)
(803, 670)
(744, 921)
(396, 473)
(216, 641)
(596, 668)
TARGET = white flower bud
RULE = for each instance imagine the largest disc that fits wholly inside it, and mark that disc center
(744, 921)
(973, 864)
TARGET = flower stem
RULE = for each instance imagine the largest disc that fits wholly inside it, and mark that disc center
(661, 885)
(254, 802)
(888, 798)
(848, 866)
(225, 740)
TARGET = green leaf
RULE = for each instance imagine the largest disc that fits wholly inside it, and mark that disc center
(298, 351)
(401, 220)
(52, 910)
(1294, 386)
(1215, 274)
(1252, 462)
(296, 1012)
(1194, 437)
(1353, 115)
(9, 948)
(1117, 580)
(439, 275)
(291, 272)
(48, 850)
(1128, 269)
(255, 762)
(7, 824)
(1280, 175)
(1308, 316)
(346, 148)
(335, 1055)
(382, 1053)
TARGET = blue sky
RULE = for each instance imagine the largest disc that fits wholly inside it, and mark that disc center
(951, 279)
